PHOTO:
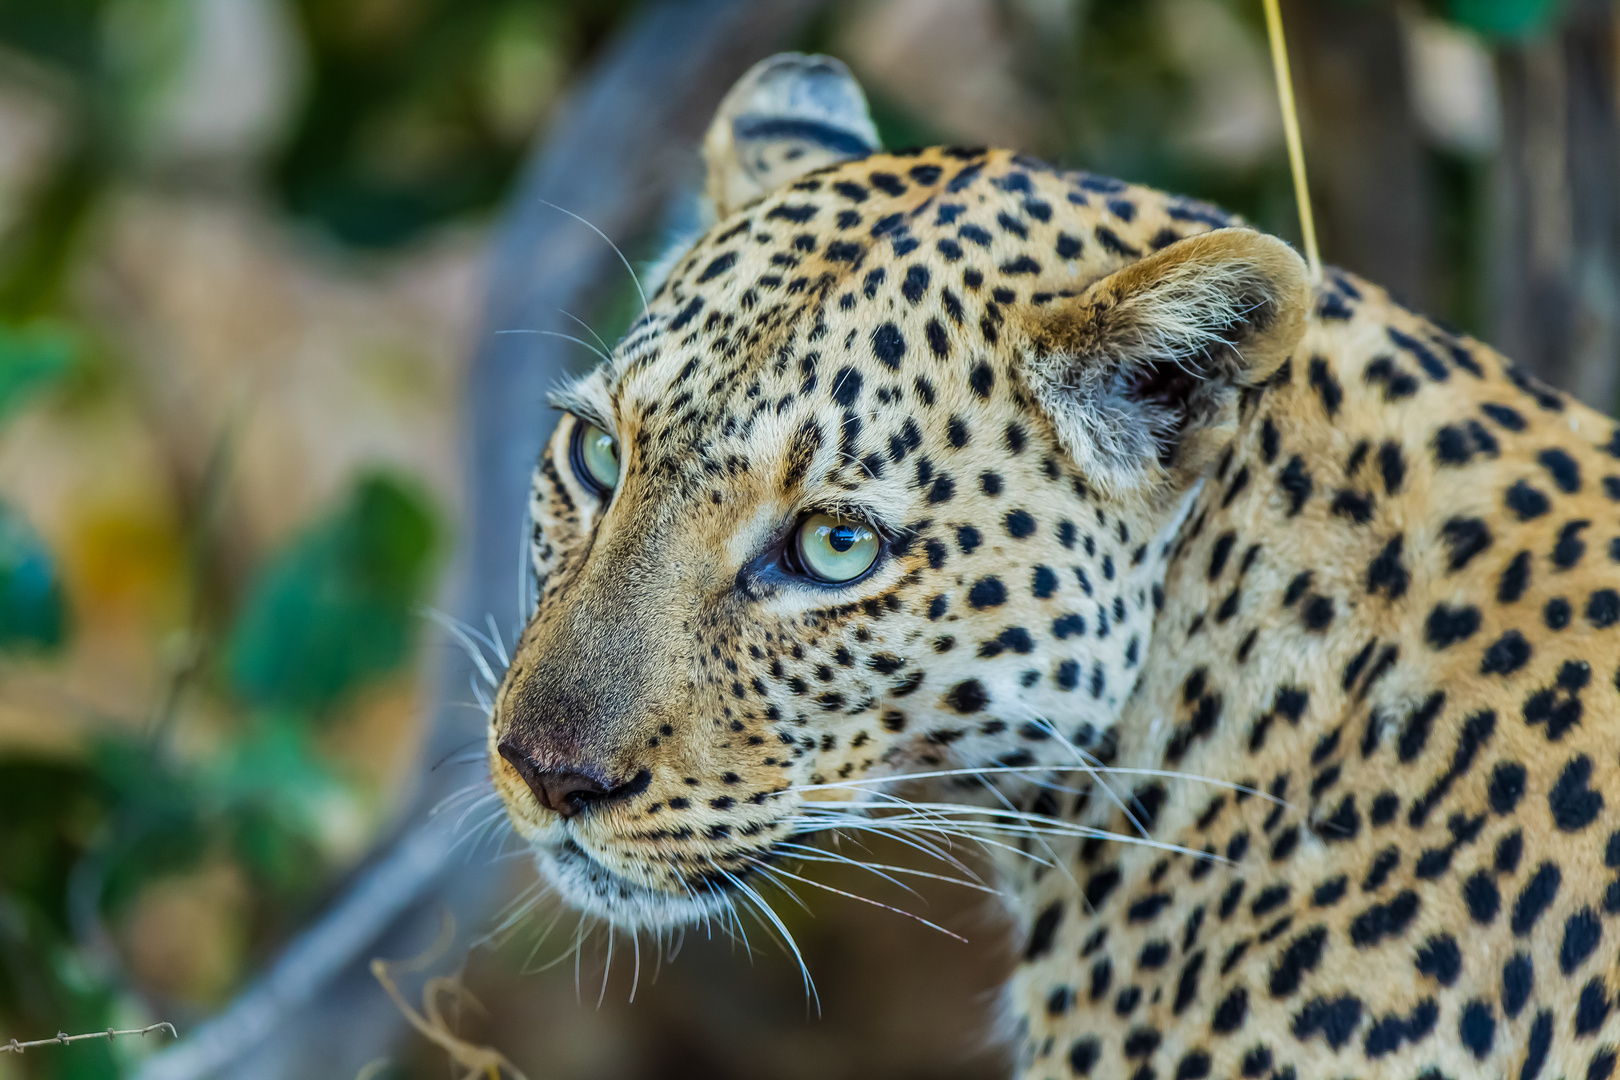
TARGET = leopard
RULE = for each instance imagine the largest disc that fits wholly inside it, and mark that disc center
(1268, 628)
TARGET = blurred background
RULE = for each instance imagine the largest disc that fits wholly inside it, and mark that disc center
(254, 414)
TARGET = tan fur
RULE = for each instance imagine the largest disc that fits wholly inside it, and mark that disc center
(1332, 545)
(1171, 307)
(741, 166)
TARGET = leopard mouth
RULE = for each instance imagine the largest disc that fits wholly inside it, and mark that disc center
(584, 882)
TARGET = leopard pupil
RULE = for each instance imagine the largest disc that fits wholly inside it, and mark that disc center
(842, 538)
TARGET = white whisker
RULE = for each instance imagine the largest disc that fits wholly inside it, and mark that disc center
(587, 327)
(876, 903)
(495, 641)
(558, 334)
(630, 269)
(814, 854)
(466, 636)
(1167, 774)
(769, 913)
(1009, 822)
(607, 966)
(484, 701)
(901, 829)
(635, 979)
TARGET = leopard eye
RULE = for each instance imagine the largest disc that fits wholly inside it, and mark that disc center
(596, 457)
(836, 549)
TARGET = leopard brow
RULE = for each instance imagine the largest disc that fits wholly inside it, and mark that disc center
(850, 508)
(575, 399)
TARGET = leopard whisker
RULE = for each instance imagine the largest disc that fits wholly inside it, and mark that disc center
(495, 641)
(813, 854)
(468, 637)
(878, 903)
(609, 240)
(474, 792)
(730, 909)
(767, 870)
(579, 947)
(607, 966)
(873, 868)
(769, 913)
(917, 843)
(487, 828)
(1113, 770)
(566, 337)
(542, 938)
(1089, 763)
(635, 978)
(1061, 864)
(902, 828)
(1018, 823)
(516, 912)
(588, 328)
(485, 703)
(474, 806)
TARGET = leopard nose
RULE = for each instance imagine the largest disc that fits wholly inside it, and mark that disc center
(566, 791)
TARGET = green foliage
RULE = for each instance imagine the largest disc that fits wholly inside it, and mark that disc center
(59, 32)
(31, 360)
(255, 802)
(403, 125)
(33, 614)
(50, 809)
(337, 606)
(1504, 19)
(82, 838)
(32, 611)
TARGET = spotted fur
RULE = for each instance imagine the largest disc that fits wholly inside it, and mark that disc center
(1145, 495)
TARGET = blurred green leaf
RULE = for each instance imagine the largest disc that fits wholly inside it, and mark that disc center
(31, 360)
(1510, 19)
(32, 610)
(336, 607)
(159, 816)
(259, 800)
(48, 808)
(277, 788)
(407, 120)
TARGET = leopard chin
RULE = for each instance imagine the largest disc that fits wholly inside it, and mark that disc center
(587, 885)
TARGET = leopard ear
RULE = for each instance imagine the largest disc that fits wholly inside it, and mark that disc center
(1141, 373)
(790, 114)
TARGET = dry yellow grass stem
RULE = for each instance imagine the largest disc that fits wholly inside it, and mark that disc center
(478, 1061)
(1296, 149)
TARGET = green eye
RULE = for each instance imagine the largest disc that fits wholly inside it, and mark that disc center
(596, 457)
(836, 549)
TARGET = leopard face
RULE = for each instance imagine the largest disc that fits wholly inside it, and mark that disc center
(886, 346)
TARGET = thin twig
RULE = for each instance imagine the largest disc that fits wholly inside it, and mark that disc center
(63, 1038)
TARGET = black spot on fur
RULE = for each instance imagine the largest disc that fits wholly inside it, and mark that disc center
(1525, 501)
(888, 345)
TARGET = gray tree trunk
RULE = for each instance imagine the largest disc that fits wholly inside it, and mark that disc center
(1368, 163)
(1555, 275)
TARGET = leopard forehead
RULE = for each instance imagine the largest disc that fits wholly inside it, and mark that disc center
(870, 292)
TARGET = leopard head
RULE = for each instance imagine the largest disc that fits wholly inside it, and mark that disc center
(881, 483)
